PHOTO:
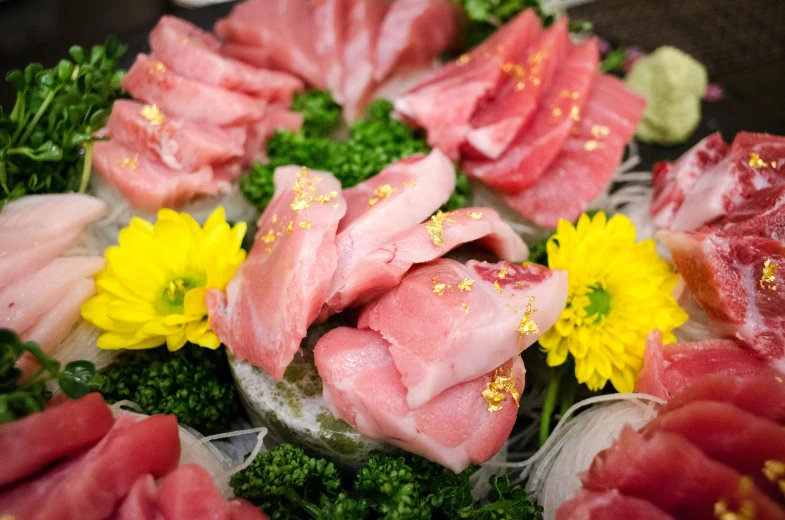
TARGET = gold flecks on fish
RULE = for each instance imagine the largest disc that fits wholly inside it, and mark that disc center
(439, 288)
(504, 272)
(498, 288)
(493, 393)
(600, 131)
(575, 113)
(157, 67)
(757, 162)
(465, 308)
(435, 227)
(153, 115)
(130, 163)
(381, 193)
(475, 215)
(289, 228)
(767, 275)
(556, 112)
(528, 325)
(463, 59)
(591, 145)
(269, 237)
(465, 284)
(305, 224)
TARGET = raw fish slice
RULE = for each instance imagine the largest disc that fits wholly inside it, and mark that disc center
(188, 493)
(668, 471)
(588, 159)
(672, 181)
(762, 215)
(329, 18)
(754, 162)
(31, 443)
(276, 118)
(284, 29)
(363, 387)
(240, 509)
(761, 395)
(146, 184)
(443, 103)
(253, 55)
(26, 300)
(279, 290)
(740, 283)
(731, 436)
(359, 55)
(178, 144)
(608, 505)
(401, 196)
(496, 122)
(538, 143)
(448, 323)
(91, 485)
(140, 504)
(381, 270)
(149, 80)
(413, 35)
(667, 369)
(20, 265)
(194, 54)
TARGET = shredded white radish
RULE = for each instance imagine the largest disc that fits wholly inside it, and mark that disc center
(80, 343)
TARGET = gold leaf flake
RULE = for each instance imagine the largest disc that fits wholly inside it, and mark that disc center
(778, 379)
(327, 197)
(275, 218)
(409, 184)
(498, 288)
(507, 67)
(153, 115)
(305, 224)
(493, 393)
(536, 81)
(435, 227)
(520, 86)
(269, 237)
(774, 470)
(268, 249)
(434, 278)
(591, 145)
(767, 275)
(465, 308)
(463, 59)
(565, 93)
(757, 162)
(520, 283)
(519, 71)
(600, 131)
(439, 288)
(337, 205)
(381, 193)
(289, 228)
(466, 284)
(130, 163)
(528, 325)
(512, 307)
(504, 272)
(556, 112)
(476, 215)
(575, 113)
(157, 67)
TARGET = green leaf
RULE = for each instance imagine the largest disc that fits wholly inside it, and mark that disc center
(78, 54)
(79, 378)
(17, 80)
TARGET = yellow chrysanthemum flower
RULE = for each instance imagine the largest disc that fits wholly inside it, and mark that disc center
(619, 291)
(153, 288)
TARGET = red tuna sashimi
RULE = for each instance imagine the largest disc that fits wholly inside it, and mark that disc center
(329, 18)
(279, 290)
(739, 282)
(456, 429)
(253, 55)
(284, 29)
(761, 395)
(401, 196)
(25, 301)
(382, 269)
(443, 103)
(753, 162)
(178, 144)
(762, 215)
(669, 368)
(359, 55)
(738, 439)
(588, 159)
(90, 486)
(149, 80)
(149, 185)
(488, 313)
(414, 33)
(672, 181)
(674, 475)
(497, 121)
(194, 54)
(537, 144)
(608, 505)
(141, 502)
(29, 444)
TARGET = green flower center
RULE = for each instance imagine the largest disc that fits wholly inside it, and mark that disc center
(599, 302)
(172, 298)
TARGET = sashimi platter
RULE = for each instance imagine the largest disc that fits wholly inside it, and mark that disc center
(386, 259)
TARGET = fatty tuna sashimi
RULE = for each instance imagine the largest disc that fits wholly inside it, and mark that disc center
(443, 103)
(754, 162)
(537, 144)
(400, 197)
(588, 159)
(90, 486)
(31, 443)
(151, 81)
(487, 314)
(20, 265)
(276, 118)
(279, 290)
(359, 55)
(761, 395)
(283, 29)
(456, 429)
(609, 505)
(671, 473)
(497, 121)
(739, 281)
(740, 440)
(22, 303)
(414, 33)
(672, 181)
(329, 18)
(149, 185)
(762, 215)
(381, 270)
(254, 55)
(194, 54)
(240, 509)
(178, 144)
(141, 502)
(667, 369)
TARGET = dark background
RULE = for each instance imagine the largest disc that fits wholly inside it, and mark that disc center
(741, 42)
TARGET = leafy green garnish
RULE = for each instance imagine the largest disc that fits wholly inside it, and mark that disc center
(193, 383)
(21, 398)
(485, 16)
(320, 112)
(46, 141)
(614, 60)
